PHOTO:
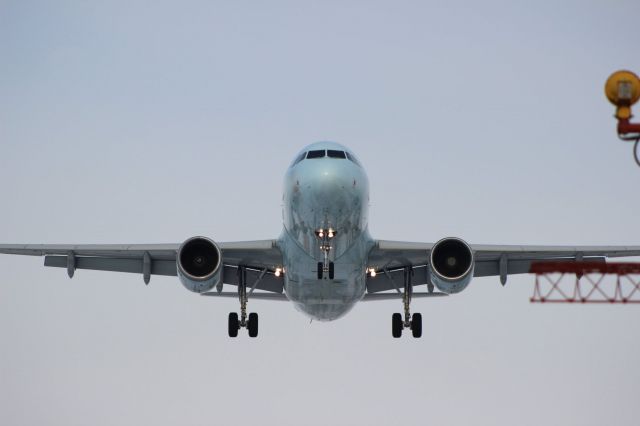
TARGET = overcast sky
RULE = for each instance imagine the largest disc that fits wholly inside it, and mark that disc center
(149, 122)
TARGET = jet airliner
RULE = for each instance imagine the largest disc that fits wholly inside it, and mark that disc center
(325, 260)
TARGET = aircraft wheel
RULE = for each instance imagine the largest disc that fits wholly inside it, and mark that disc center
(320, 270)
(234, 324)
(331, 270)
(416, 325)
(252, 324)
(396, 325)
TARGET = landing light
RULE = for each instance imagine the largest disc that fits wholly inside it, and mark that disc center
(372, 272)
(278, 272)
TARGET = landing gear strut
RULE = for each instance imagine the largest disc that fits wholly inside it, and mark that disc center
(414, 322)
(235, 323)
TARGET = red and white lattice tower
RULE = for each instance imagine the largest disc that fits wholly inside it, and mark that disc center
(586, 282)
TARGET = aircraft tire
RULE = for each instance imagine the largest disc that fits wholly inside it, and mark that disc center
(331, 270)
(252, 324)
(396, 325)
(416, 325)
(234, 324)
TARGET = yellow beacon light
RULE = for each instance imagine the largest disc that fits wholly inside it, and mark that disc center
(623, 90)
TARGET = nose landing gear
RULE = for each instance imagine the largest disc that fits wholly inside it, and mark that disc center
(326, 267)
(414, 322)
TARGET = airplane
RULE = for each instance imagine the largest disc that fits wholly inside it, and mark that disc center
(325, 260)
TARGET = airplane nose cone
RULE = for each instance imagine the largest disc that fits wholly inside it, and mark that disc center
(328, 182)
(330, 179)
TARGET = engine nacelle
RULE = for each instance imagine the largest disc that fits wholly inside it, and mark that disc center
(451, 264)
(199, 264)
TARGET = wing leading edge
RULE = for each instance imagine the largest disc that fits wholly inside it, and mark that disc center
(391, 257)
(157, 259)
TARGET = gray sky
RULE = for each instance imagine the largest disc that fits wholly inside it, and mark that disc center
(133, 122)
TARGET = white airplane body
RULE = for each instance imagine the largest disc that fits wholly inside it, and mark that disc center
(325, 260)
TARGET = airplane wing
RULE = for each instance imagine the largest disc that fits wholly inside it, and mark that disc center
(391, 257)
(158, 259)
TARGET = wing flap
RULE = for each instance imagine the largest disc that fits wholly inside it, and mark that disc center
(255, 279)
(489, 268)
(398, 296)
(158, 267)
(394, 279)
(252, 296)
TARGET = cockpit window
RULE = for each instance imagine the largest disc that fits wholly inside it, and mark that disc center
(298, 159)
(316, 154)
(332, 153)
(352, 157)
(321, 153)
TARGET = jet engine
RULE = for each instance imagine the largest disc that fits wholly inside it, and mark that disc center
(199, 264)
(451, 262)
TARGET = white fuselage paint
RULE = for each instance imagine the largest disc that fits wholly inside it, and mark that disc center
(323, 193)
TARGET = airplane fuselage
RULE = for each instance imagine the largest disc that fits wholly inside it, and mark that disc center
(328, 191)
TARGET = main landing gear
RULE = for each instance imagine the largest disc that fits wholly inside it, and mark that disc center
(414, 322)
(235, 322)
